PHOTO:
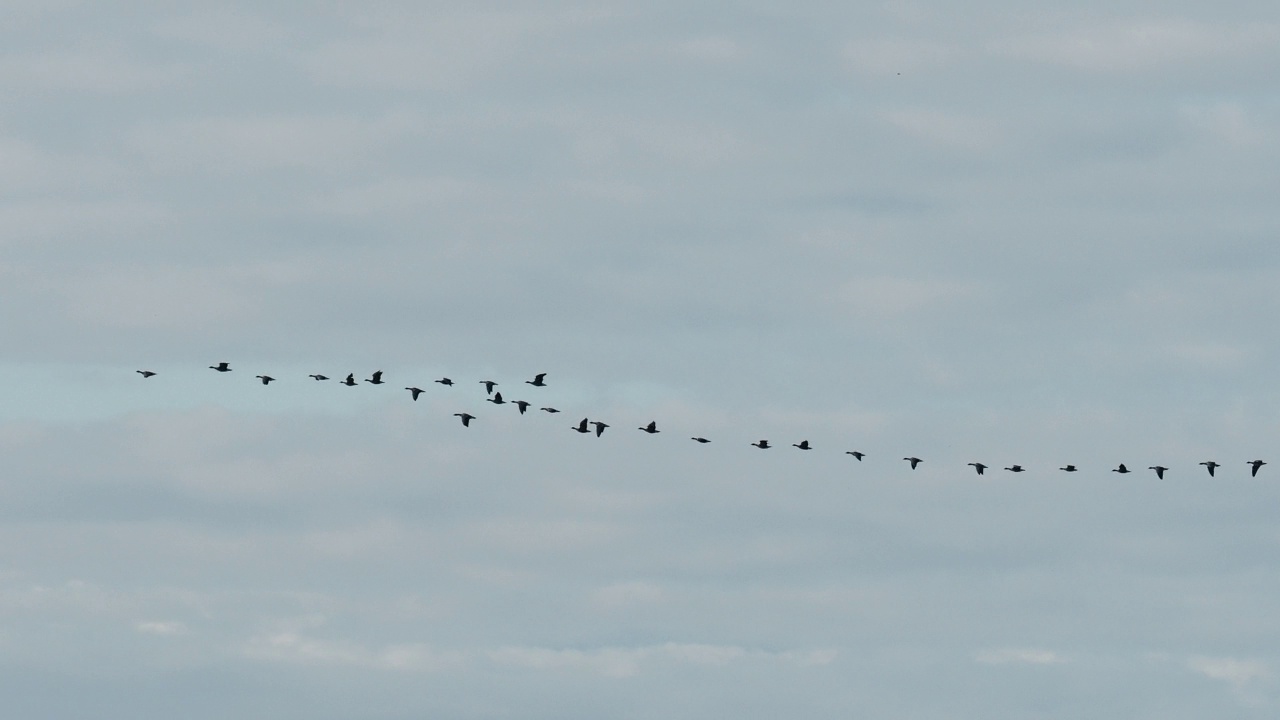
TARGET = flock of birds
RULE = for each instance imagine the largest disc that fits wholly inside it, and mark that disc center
(587, 425)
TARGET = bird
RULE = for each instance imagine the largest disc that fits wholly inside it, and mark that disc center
(145, 373)
(1210, 465)
(445, 381)
(581, 427)
(763, 444)
(496, 399)
(1122, 469)
(857, 455)
(221, 367)
(376, 379)
(1016, 468)
(264, 378)
(979, 467)
(1068, 468)
(522, 405)
(350, 381)
(537, 380)
(803, 445)
(466, 418)
(1256, 464)
(1159, 470)
(549, 410)
(415, 392)
(599, 427)
(652, 427)
(488, 386)
(319, 377)
(702, 440)
(914, 461)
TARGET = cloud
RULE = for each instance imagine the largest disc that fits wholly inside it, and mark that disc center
(623, 662)
(294, 647)
(1239, 674)
(161, 627)
(1018, 656)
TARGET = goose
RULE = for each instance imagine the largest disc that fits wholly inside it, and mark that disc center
(979, 467)
(221, 367)
(1210, 465)
(496, 399)
(549, 410)
(350, 381)
(488, 386)
(581, 427)
(652, 427)
(1068, 468)
(763, 444)
(376, 379)
(914, 461)
(145, 373)
(537, 380)
(444, 381)
(857, 455)
(1159, 470)
(415, 392)
(1016, 468)
(264, 378)
(466, 418)
(522, 405)
(599, 427)
(318, 378)
(701, 440)
(803, 445)
(1122, 469)
(1256, 464)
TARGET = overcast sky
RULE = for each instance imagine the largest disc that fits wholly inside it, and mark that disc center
(988, 231)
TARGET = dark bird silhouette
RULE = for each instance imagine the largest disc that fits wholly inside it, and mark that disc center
(496, 399)
(264, 378)
(1256, 464)
(1016, 468)
(979, 467)
(581, 427)
(376, 379)
(522, 405)
(1210, 465)
(599, 427)
(803, 445)
(488, 386)
(445, 381)
(1068, 468)
(466, 418)
(537, 380)
(651, 428)
(415, 392)
(549, 410)
(914, 461)
(145, 373)
(763, 444)
(702, 440)
(1159, 470)
(319, 377)
(857, 455)
(221, 367)
(1122, 469)
(350, 381)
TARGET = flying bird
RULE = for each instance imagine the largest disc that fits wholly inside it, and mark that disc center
(496, 399)
(549, 410)
(857, 455)
(376, 379)
(914, 461)
(979, 467)
(522, 405)
(350, 381)
(1159, 470)
(1122, 469)
(803, 445)
(319, 377)
(445, 381)
(702, 440)
(488, 386)
(145, 373)
(1256, 464)
(599, 427)
(537, 380)
(652, 427)
(221, 367)
(763, 444)
(1068, 468)
(1211, 466)
(264, 378)
(466, 418)
(415, 392)
(581, 427)
(1016, 468)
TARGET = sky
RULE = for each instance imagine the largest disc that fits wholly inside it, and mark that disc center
(1011, 233)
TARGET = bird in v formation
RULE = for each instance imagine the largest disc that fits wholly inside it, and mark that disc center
(539, 380)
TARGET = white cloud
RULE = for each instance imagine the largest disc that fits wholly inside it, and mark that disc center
(1018, 656)
(294, 647)
(1239, 674)
(161, 627)
(621, 662)
(945, 128)
(96, 71)
(876, 57)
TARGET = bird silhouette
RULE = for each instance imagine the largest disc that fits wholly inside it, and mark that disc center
(537, 380)
(1210, 466)
(599, 427)
(1256, 465)
(803, 445)
(857, 455)
(415, 392)
(914, 461)
(1122, 469)
(702, 440)
(488, 386)
(979, 467)
(522, 405)
(350, 381)
(549, 410)
(319, 377)
(264, 378)
(466, 418)
(221, 367)
(1068, 468)
(651, 428)
(376, 379)
(763, 444)
(145, 373)
(1015, 468)
(1159, 470)
(581, 427)
(496, 399)
(445, 381)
